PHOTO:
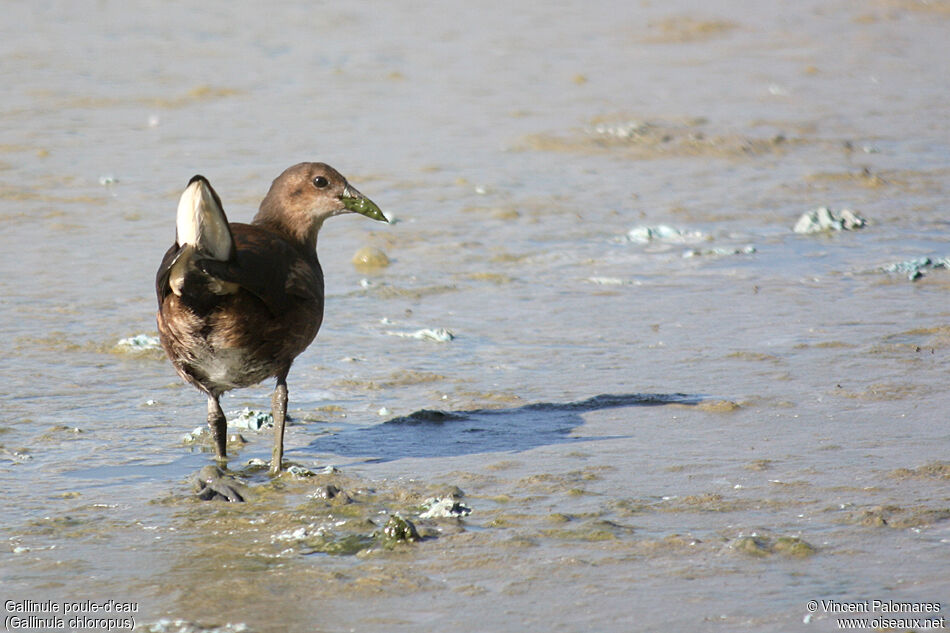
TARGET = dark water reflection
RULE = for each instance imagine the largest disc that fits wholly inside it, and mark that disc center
(436, 433)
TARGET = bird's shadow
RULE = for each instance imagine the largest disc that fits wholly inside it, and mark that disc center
(434, 433)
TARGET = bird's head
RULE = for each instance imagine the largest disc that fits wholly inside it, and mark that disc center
(305, 195)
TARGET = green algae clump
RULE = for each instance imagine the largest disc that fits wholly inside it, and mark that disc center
(763, 547)
(398, 530)
(793, 546)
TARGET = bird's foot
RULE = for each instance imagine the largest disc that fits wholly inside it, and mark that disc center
(212, 483)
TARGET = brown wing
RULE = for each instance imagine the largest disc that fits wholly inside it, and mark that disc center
(269, 268)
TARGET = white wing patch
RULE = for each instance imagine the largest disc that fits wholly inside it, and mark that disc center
(201, 222)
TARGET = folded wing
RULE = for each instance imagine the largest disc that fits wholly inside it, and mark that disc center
(212, 258)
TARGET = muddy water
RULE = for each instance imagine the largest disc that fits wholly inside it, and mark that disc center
(644, 440)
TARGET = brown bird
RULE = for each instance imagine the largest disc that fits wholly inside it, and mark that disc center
(238, 302)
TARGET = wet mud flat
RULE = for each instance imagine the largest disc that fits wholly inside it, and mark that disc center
(565, 524)
(591, 378)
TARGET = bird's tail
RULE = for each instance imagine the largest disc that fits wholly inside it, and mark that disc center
(201, 222)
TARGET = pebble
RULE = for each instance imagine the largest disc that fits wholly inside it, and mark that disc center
(195, 435)
(662, 233)
(328, 491)
(300, 471)
(914, 268)
(399, 529)
(824, 219)
(369, 258)
(444, 508)
(251, 420)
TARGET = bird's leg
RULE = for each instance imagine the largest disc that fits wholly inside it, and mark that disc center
(279, 411)
(219, 427)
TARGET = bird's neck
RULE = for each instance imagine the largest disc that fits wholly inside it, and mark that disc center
(302, 234)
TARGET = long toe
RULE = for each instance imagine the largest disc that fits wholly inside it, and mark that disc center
(211, 483)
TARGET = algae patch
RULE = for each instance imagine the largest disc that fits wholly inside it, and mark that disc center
(933, 470)
(685, 29)
(642, 139)
(763, 546)
(398, 530)
(897, 517)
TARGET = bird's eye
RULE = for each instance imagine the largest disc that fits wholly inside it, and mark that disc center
(320, 182)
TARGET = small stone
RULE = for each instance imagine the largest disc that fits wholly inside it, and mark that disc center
(196, 435)
(251, 419)
(331, 493)
(661, 233)
(793, 546)
(399, 529)
(300, 471)
(211, 483)
(370, 258)
(914, 268)
(752, 546)
(327, 492)
(851, 220)
(444, 508)
(824, 219)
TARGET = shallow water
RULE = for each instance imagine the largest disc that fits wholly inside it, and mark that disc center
(646, 441)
